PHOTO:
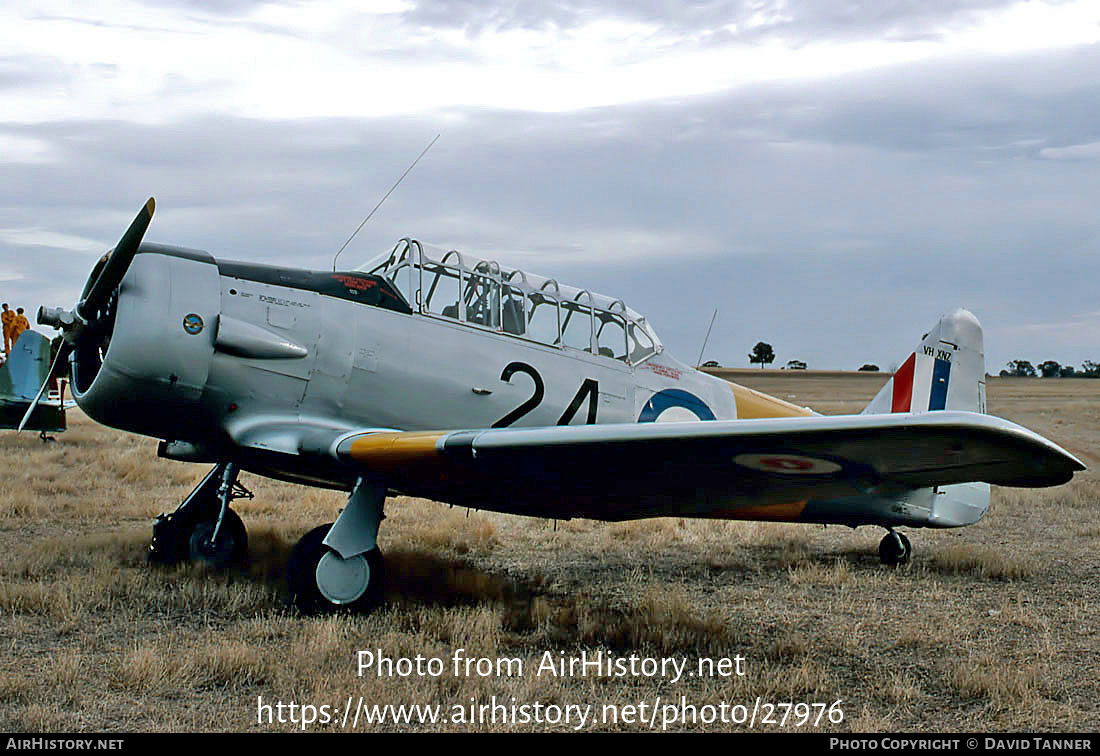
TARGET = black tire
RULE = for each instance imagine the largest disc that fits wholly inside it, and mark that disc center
(301, 576)
(169, 544)
(232, 542)
(893, 554)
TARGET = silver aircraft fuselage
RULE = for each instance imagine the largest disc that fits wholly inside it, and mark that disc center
(212, 349)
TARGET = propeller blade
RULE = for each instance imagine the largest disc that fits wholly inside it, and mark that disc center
(118, 263)
(62, 352)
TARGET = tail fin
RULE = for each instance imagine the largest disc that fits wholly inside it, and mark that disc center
(946, 371)
(27, 367)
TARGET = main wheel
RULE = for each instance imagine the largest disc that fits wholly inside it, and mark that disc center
(894, 549)
(321, 580)
(231, 546)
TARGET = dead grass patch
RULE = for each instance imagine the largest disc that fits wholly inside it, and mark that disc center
(969, 559)
(838, 573)
(1003, 685)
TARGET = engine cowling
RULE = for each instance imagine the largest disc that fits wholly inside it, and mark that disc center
(145, 368)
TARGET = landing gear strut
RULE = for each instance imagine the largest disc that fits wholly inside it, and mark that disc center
(203, 528)
(339, 566)
(894, 549)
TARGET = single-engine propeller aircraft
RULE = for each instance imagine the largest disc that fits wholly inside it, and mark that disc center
(431, 374)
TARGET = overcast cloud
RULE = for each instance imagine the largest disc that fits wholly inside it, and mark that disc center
(832, 176)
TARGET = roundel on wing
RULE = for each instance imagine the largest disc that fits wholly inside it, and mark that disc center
(674, 405)
(787, 464)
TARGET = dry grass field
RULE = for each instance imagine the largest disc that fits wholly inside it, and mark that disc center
(994, 627)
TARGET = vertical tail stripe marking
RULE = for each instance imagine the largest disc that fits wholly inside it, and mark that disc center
(903, 386)
(941, 373)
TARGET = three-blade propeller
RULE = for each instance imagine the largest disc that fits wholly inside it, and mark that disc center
(73, 324)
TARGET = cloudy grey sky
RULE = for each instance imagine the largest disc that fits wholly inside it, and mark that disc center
(832, 175)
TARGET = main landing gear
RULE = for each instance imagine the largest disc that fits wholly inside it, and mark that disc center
(334, 566)
(203, 528)
(339, 565)
(894, 548)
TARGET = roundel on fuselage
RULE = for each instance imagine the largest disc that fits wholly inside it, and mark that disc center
(674, 406)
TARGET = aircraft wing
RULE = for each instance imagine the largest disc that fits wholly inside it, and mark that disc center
(633, 470)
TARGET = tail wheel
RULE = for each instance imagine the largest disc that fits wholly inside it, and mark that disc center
(320, 580)
(894, 549)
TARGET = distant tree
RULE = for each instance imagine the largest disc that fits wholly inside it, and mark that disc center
(711, 363)
(1050, 369)
(1090, 369)
(1004, 374)
(796, 365)
(1066, 371)
(762, 353)
(869, 368)
(1021, 368)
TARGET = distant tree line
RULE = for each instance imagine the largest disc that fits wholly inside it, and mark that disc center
(1051, 369)
(764, 354)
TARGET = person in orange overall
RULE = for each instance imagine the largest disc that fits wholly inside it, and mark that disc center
(18, 325)
(8, 318)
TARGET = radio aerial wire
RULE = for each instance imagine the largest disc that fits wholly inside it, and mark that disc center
(403, 175)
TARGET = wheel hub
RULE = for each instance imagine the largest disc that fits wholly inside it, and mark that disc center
(340, 580)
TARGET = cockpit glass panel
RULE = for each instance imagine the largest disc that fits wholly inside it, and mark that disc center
(543, 323)
(513, 318)
(611, 335)
(401, 278)
(440, 285)
(576, 326)
(385, 263)
(482, 301)
(640, 344)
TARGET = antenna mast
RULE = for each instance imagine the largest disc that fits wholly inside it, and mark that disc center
(705, 340)
(403, 175)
